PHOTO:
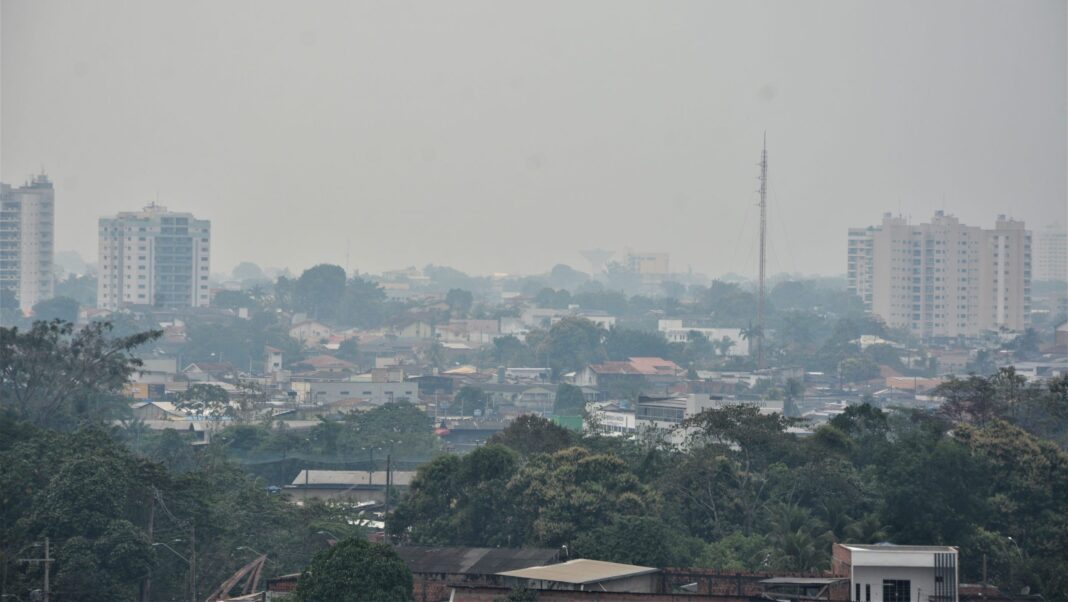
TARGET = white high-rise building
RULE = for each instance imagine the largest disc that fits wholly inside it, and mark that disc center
(27, 226)
(154, 257)
(1051, 253)
(943, 279)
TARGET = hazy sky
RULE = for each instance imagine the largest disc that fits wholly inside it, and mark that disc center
(505, 136)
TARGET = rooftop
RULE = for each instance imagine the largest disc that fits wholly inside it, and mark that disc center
(350, 478)
(581, 571)
(476, 561)
(891, 547)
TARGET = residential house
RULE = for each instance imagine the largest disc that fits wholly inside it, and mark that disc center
(310, 332)
(895, 573)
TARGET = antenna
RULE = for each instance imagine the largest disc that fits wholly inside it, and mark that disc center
(763, 249)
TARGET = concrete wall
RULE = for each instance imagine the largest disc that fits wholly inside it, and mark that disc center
(922, 580)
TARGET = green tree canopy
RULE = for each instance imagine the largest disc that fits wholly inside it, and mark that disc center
(54, 375)
(355, 570)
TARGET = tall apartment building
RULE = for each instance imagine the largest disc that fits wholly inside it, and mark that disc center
(27, 226)
(1051, 253)
(943, 278)
(154, 257)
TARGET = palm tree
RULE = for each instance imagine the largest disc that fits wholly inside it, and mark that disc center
(866, 529)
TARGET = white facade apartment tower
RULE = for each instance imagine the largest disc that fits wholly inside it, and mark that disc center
(27, 227)
(1051, 253)
(154, 257)
(943, 278)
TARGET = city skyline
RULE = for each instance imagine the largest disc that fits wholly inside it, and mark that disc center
(324, 137)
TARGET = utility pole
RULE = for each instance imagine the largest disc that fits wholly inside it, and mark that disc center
(763, 249)
(389, 483)
(193, 558)
(47, 560)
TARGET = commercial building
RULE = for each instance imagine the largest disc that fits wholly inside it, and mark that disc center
(27, 226)
(943, 278)
(154, 257)
(1051, 253)
(655, 264)
(892, 573)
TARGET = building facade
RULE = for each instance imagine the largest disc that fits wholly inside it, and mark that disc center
(892, 573)
(154, 257)
(27, 227)
(1051, 253)
(943, 278)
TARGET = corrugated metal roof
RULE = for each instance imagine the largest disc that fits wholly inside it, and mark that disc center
(352, 477)
(581, 571)
(475, 561)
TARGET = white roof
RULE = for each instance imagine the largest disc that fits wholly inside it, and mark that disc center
(580, 571)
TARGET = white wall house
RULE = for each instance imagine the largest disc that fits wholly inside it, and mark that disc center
(676, 332)
(892, 573)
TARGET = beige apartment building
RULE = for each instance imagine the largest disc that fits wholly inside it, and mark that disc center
(943, 278)
(27, 226)
(154, 257)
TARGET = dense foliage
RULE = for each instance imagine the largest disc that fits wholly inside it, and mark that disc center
(355, 570)
(746, 493)
(103, 507)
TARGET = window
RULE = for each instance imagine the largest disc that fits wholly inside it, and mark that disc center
(867, 592)
(897, 590)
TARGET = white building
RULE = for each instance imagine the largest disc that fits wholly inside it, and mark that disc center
(27, 224)
(943, 279)
(154, 257)
(1051, 253)
(675, 332)
(891, 573)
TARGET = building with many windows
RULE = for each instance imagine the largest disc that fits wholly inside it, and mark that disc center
(1051, 253)
(943, 278)
(154, 257)
(27, 226)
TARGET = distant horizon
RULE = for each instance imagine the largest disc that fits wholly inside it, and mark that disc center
(505, 137)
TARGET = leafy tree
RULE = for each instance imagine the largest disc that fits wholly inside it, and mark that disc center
(233, 299)
(573, 343)
(81, 288)
(355, 570)
(469, 400)
(319, 291)
(349, 350)
(53, 375)
(569, 401)
(461, 500)
(63, 309)
(858, 369)
(551, 298)
(248, 271)
(531, 434)
(510, 351)
(644, 541)
(621, 343)
(364, 304)
(574, 491)
(459, 301)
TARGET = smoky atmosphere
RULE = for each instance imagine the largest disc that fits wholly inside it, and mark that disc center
(473, 301)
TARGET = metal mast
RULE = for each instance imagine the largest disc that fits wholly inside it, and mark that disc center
(763, 249)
